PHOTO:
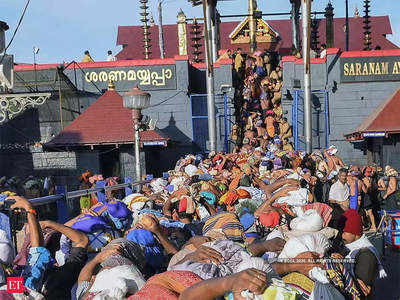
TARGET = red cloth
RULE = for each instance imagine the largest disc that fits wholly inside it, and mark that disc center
(270, 219)
(166, 286)
(183, 204)
(286, 209)
(231, 198)
(217, 158)
(353, 222)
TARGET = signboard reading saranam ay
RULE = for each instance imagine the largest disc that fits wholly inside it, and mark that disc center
(380, 68)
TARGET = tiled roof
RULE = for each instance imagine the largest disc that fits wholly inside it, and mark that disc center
(106, 121)
(130, 37)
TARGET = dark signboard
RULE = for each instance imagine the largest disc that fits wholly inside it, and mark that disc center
(161, 77)
(380, 68)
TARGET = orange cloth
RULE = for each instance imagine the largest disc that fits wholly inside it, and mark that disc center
(231, 198)
(271, 131)
(167, 286)
(235, 182)
(243, 194)
(270, 219)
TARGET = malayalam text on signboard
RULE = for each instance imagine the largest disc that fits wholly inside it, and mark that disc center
(161, 77)
(381, 68)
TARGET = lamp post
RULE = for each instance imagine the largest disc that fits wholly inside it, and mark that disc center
(347, 25)
(306, 19)
(137, 100)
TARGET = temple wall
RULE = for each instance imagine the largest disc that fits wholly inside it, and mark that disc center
(349, 102)
(172, 110)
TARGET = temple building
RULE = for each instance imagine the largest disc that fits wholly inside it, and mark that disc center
(63, 119)
(271, 35)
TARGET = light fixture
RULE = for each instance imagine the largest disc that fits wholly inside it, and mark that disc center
(136, 99)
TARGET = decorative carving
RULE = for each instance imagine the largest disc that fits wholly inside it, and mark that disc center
(330, 33)
(182, 36)
(12, 105)
(196, 38)
(314, 34)
(264, 33)
(146, 33)
(356, 13)
(367, 27)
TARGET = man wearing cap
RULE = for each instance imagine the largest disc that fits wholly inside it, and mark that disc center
(366, 266)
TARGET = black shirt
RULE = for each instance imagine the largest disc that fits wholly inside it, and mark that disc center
(60, 280)
(366, 266)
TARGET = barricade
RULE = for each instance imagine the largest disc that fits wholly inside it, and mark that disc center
(62, 196)
(390, 227)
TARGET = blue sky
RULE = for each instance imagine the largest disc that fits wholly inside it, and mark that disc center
(64, 29)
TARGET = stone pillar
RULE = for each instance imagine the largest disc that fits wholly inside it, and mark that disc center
(182, 36)
(252, 25)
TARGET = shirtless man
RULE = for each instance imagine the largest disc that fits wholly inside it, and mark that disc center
(285, 131)
(270, 123)
(335, 163)
(357, 187)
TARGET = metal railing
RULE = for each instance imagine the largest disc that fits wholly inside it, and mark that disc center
(61, 196)
(79, 193)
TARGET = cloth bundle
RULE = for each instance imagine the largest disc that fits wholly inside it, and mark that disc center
(167, 286)
(296, 198)
(235, 259)
(315, 242)
(154, 251)
(125, 280)
(224, 224)
(186, 205)
(308, 221)
(158, 185)
(324, 210)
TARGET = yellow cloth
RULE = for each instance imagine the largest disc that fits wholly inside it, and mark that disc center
(271, 131)
(85, 202)
(274, 293)
(299, 280)
(238, 62)
(87, 58)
